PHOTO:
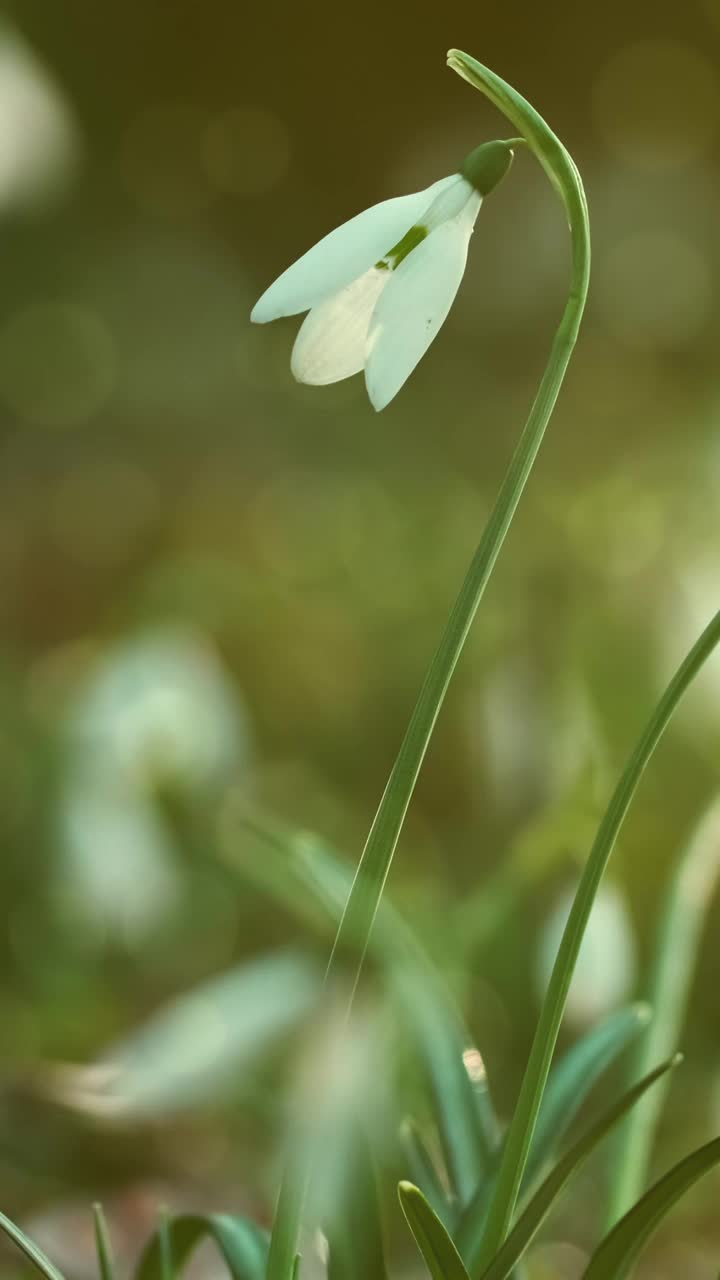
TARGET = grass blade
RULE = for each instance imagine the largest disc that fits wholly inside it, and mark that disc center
(102, 1244)
(576, 1074)
(354, 1230)
(457, 1077)
(692, 883)
(615, 1257)
(242, 1245)
(568, 1086)
(423, 1170)
(303, 871)
(522, 1126)
(432, 1239)
(31, 1251)
(531, 1220)
(167, 1264)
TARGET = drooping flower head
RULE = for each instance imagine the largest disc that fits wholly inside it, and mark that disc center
(380, 286)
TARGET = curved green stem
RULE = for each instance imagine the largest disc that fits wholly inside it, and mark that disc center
(377, 855)
(525, 1115)
(367, 887)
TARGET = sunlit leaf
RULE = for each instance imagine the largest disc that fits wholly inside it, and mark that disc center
(442, 1258)
(615, 1257)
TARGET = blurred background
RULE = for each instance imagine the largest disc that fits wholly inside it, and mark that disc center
(220, 590)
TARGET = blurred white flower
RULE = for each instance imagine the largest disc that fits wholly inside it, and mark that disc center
(118, 856)
(159, 709)
(379, 287)
(39, 141)
(511, 718)
(606, 966)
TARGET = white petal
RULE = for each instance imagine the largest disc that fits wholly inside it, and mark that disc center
(344, 254)
(332, 340)
(414, 305)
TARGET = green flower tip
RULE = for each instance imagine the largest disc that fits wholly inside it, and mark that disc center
(487, 165)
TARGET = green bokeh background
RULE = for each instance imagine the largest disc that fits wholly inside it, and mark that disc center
(162, 475)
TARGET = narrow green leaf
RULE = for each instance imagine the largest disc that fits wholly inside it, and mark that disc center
(102, 1244)
(569, 1084)
(615, 1257)
(576, 1074)
(31, 1251)
(531, 1220)
(301, 867)
(432, 1239)
(693, 881)
(423, 1171)
(242, 1245)
(167, 1266)
(466, 1122)
(522, 1126)
(354, 1229)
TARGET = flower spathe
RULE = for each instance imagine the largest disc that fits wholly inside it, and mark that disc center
(379, 287)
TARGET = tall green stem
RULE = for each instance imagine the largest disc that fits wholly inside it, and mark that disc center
(372, 872)
(377, 855)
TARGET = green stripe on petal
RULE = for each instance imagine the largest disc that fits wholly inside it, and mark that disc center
(343, 255)
(413, 307)
(410, 241)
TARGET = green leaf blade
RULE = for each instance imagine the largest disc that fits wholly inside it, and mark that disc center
(103, 1247)
(532, 1218)
(616, 1255)
(525, 1116)
(242, 1245)
(435, 1244)
(686, 899)
(575, 1075)
(39, 1259)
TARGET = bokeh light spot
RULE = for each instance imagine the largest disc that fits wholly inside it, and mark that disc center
(657, 104)
(58, 364)
(654, 289)
(247, 151)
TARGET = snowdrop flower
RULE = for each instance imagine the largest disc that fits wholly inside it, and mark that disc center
(379, 287)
